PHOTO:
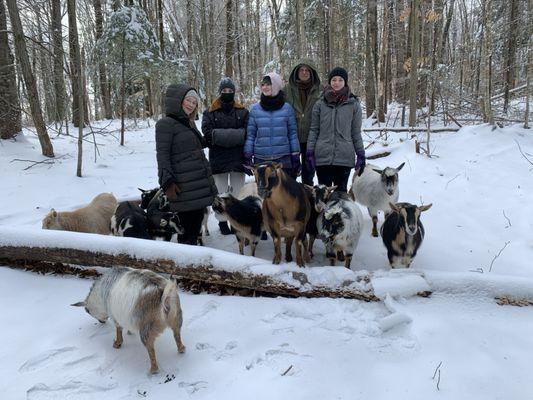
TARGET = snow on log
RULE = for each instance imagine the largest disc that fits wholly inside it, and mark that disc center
(202, 264)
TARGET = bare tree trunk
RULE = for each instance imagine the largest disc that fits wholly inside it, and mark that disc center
(400, 50)
(77, 74)
(230, 41)
(383, 61)
(413, 73)
(104, 84)
(190, 18)
(122, 89)
(371, 56)
(29, 78)
(160, 27)
(300, 35)
(529, 67)
(486, 64)
(510, 55)
(10, 115)
(60, 92)
(74, 74)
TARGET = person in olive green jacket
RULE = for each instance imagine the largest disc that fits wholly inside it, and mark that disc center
(302, 92)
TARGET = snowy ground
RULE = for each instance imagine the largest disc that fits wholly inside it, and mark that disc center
(481, 191)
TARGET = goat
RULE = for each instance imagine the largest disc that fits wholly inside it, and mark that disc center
(285, 210)
(138, 301)
(402, 233)
(93, 218)
(375, 189)
(339, 223)
(147, 196)
(245, 217)
(129, 220)
(162, 225)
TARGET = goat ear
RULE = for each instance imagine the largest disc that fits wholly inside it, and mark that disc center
(79, 304)
(379, 171)
(394, 207)
(142, 190)
(425, 208)
(399, 167)
(332, 188)
(277, 165)
(54, 213)
(311, 188)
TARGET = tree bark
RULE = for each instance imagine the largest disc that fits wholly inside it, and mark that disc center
(10, 115)
(300, 28)
(371, 56)
(510, 55)
(486, 64)
(230, 42)
(102, 72)
(60, 92)
(29, 78)
(413, 73)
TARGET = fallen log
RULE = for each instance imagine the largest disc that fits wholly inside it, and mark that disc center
(190, 263)
(406, 129)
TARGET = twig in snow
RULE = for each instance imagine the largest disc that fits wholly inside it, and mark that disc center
(507, 218)
(437, 372)
(497, 255)
(521, 152)
(285, 373)
(47, 162)
(451, 180)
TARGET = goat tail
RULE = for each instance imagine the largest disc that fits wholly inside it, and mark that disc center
(170, 299)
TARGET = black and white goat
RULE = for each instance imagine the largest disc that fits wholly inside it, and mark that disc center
(375, 189)
(129, 220)
(403, 233)
(245, 217)
(339, 223)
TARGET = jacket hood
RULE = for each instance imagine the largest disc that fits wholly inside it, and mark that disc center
(314, 74)
(174, 98)
(217, 105)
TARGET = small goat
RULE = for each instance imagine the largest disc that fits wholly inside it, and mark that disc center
(138, 301)
(129, 220)
(403, 233)
(93, 218)
(245, 217)
(375, 189)
(339, 224)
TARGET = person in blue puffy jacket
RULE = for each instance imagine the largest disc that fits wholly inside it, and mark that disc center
(272, 134)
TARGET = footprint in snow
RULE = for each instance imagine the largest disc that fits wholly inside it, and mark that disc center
(71, 389)
(193, 387)
(44, 359)
(206, 309)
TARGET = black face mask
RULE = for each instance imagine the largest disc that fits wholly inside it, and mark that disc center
(227, 97)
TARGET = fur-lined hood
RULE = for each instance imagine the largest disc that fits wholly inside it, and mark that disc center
(217, 105)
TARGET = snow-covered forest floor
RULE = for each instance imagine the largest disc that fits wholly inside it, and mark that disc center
(478, 234)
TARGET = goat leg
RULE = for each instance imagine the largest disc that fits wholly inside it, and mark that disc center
(288, 248)
(348, 260)
(119, 339)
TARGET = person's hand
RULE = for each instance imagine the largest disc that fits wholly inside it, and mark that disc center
(360, 163)
(248, 159)
(310, 155)
(172, 192)
(296, 164)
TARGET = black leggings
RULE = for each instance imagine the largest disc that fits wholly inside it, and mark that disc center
(333, 175)
(191, 221)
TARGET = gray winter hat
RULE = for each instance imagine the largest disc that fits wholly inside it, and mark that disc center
(192, 93)
(226, 83)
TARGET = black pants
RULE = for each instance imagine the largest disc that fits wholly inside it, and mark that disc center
(191, 221)
(333, 175)
(308, 172)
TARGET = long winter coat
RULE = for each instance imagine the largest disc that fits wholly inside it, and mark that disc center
(180, 155)
(292, 96)
(335, 133)
(271, 134)
(225, 133)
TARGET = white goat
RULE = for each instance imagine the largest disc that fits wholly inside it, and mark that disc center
(375, 189)
(93, 218)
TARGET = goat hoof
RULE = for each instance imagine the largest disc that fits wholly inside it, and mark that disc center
(288, 258)
(154, 370)
(340, 256)
(181, 349)
(117, 344)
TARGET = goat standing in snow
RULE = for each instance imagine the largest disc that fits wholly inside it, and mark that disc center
(245, 217)
(138, 301)
(375, 189)
(403, 233)
(129, 220)
(93, 218)
(339, 223)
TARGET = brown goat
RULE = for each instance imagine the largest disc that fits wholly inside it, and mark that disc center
(286, 210)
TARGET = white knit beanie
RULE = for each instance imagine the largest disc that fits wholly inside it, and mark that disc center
(277, 82)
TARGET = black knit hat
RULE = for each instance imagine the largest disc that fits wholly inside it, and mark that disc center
(226, 83)
(338, 71)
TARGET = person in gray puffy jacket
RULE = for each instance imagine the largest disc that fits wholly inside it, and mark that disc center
(184, 172)
(335, 145)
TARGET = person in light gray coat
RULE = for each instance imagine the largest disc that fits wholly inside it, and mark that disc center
(335, 140)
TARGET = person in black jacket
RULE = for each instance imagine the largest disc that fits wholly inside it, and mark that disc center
(224, 128)
(184, 172)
